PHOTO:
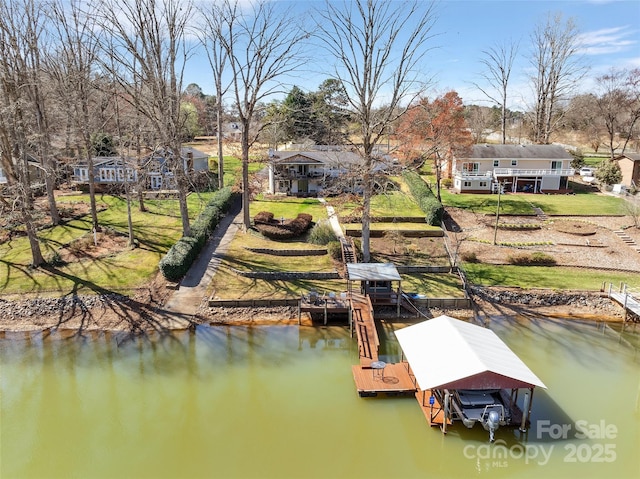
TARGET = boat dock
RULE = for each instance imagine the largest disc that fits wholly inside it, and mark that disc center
(628, 298)
(373, 376)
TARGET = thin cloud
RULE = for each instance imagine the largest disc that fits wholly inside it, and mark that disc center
(606, 41)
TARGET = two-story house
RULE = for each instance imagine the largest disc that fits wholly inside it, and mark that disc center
(513, 168)
(309, 172)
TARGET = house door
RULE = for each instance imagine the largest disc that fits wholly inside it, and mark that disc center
(303, 186)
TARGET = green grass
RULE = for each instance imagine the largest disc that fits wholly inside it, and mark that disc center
(393, 227)
(555, 277)
(227, 284)
(390, 204)
(233, 169)
(156, 231)
(240, 258)
(442, 285)
(509, 204)
(581, 204)
(289, 207)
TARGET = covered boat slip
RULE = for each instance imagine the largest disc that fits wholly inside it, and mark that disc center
(464, 372)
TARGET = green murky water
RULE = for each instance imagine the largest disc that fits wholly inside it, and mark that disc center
(280, 402)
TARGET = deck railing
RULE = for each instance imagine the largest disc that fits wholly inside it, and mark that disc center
(531, 172)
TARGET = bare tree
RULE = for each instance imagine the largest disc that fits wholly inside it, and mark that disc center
(558, 69)
(147, 48)
(262, 43)
(498, 61)
(217, 54)
(377, 47)
(619, 106)
(72, 65)
(17, 117)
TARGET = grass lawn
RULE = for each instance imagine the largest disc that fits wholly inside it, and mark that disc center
(156, 231)
(289, 207)
(442, 285)
(233, 169)
(390, 204)
(581, 204)
(227, 284)
(393, 227)
(240, 258)
(546, 277)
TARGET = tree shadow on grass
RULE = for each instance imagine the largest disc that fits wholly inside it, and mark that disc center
(140, 317)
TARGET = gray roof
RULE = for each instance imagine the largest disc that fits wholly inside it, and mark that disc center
(631, 156)
(314, 157)
(372, 272)
(520, 151)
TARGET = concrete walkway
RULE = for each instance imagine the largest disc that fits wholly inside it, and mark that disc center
(333, 219)
(185, 301)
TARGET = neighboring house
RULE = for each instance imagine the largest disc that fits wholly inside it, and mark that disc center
(108, 170)
(313, 172)
(630, 167)
(232, 131)
(154, 169)
(36, 173)
(513, 168)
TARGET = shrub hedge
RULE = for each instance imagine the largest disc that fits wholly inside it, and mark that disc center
(425, 198)
(289, 229)
(175, 264)
(537, 258)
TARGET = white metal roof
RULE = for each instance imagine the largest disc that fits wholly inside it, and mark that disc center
(443, 350)
(372, 272)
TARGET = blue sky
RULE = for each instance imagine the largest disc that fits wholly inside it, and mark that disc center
(610, 33)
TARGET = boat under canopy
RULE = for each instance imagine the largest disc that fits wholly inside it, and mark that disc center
(470, 371)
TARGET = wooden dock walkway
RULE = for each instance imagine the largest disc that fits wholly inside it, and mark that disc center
(627, 301)
(365, 328)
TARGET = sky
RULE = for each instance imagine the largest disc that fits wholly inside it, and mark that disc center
(463, 29)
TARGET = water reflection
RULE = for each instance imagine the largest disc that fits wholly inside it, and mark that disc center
(280, 402)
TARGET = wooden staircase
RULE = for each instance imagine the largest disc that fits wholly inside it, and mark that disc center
(627, 240)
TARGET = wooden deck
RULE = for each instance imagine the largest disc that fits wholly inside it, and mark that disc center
(394, 378)
(324, 305)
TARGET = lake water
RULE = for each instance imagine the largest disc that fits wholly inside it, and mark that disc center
(280, 402)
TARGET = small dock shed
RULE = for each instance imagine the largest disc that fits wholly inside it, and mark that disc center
(377, 282)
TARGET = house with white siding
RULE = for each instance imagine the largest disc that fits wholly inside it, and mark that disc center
(513, 168)
(323, 171)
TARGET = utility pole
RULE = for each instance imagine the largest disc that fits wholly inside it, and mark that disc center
(495, 230)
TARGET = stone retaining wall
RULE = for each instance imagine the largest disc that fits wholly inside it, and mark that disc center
(287, 276)
(288, 252)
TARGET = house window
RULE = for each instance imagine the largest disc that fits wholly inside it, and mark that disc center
(556, 165)
(470, 167)
(107, 174)
(483, 184)
(496, 163)
(466, 184)
(514, 162)
(82, 174)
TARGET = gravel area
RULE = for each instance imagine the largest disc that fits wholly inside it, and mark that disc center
(603, 249)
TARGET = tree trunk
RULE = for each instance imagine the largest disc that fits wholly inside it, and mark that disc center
(366, 215)
(246, 219)
(219, 135)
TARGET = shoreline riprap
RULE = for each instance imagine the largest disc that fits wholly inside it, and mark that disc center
(119, 313)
